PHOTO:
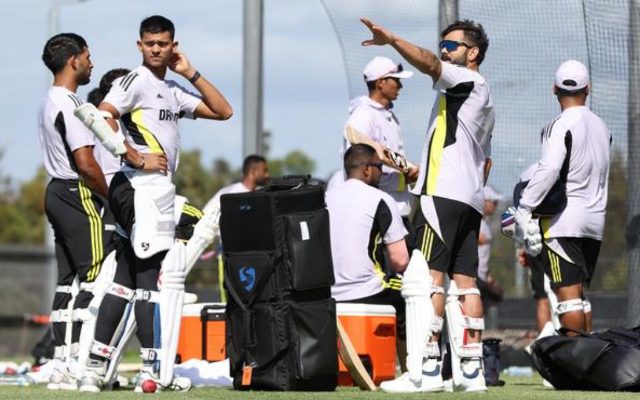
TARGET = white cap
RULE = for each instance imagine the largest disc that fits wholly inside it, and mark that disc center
(572, 75)
(383, 67)
(490, 194)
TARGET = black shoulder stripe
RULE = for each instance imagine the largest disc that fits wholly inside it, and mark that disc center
(76, 101)
(126, 82)
(546, 132)
(61, 127)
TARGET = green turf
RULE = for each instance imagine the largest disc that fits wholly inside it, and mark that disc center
(516, 388)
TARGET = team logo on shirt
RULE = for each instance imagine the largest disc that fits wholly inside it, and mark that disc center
(247, 278)
(167, 115)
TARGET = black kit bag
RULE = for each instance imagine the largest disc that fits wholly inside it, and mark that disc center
(281, 319)
(607, 360)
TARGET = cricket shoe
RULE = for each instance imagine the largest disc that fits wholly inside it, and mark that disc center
(62, 379)
(472, 379)
(431, 380)
(178, 384)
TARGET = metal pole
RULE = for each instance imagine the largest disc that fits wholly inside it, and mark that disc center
(252, 82)
(447, 13)
(633, 168)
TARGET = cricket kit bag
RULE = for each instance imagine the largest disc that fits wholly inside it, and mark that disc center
(280, 316)
(607, 360)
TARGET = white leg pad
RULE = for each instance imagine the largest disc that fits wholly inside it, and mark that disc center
(99, 287)
(171, 286)
(154, 201)
(205, 232)
(461, 350)
(416, 291)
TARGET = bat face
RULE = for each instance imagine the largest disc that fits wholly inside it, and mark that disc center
(389, 157)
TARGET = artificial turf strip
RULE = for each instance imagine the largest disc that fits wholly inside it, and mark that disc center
(515, 388)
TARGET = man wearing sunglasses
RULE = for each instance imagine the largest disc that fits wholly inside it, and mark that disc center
(454, 167)
(363, 220)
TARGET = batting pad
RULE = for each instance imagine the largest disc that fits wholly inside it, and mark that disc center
(416, 291)
(171, 285)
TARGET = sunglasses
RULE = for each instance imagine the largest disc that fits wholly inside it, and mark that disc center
(375, 164)
(452, 45)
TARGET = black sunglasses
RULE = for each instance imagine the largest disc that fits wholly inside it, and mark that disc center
(375, 164)
(452, 45)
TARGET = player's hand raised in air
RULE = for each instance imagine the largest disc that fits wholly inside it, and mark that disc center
(381, 36)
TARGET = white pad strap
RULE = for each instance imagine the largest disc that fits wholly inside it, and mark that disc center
(149, 354)
(60, 352)
(150, 296)
(93, 119)
(63, 289)
(437, 322)
(455, 291)
(432, 350)
(123, 292)
(62, 315)
(586, 306)
(102, 350)
(82, 314)
(473, 323)
(570, 306)
(437, 289)
(87, 286)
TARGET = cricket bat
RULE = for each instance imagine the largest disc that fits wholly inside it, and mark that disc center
(389, 157)
(352, 361)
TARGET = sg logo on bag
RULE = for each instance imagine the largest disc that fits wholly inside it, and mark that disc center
(247, 278)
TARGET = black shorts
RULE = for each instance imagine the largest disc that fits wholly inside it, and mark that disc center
(536, 269)
(454, 249)
(83, 228)
(569, 260)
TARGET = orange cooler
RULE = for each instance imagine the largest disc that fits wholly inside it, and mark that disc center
(372, 330)
(202, 332)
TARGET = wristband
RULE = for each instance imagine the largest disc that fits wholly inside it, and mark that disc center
(195, 77)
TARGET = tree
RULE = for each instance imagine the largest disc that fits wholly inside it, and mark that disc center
(22, 214)
(295, 162)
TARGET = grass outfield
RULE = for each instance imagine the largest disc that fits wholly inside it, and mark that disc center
(516, 388)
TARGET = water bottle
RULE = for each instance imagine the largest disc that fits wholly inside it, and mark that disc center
(516, 371)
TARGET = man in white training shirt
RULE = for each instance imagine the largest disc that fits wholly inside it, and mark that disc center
(149, 106)
(363, 220)
(454, 167)
(75, 198)
(373, 116)
(575, 151)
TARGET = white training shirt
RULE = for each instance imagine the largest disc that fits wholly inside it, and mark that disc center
(575, 147)
(484, 250)
(362, 219)
(380, 124)
(237, 187)
(458, 140)
(149, 109)
(61, 133)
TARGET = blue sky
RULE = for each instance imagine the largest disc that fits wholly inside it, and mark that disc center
(305, 91)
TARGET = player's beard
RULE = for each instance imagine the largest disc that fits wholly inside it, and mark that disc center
(461, 60)
(84, 79)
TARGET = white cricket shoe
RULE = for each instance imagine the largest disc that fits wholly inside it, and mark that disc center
(92, 380)
(178, 384)
(472, 376)
(61, 378)
(431, 380)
